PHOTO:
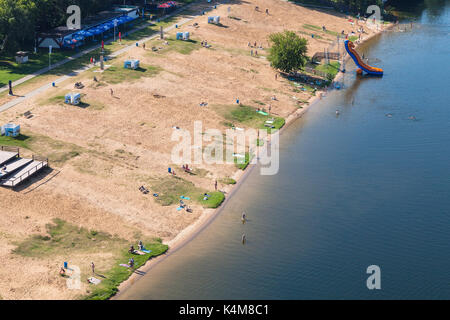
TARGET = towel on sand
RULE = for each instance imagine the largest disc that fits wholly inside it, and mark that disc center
(94, 280)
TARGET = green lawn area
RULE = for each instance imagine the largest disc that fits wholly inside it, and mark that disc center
(243, 163)
(57, 152)
(117, 274)
(227, 180)
(20, 141)
(318, 28)
(62, 236)
(247, 115)
(117, 73)
(215, 199)
(332, 68)
(181, 46)
(10, 70)
(171, 188)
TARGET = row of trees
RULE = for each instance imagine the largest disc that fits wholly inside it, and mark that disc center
(20, 19)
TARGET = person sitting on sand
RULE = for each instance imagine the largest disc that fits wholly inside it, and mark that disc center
(62, 272)
(140, 245)
(131, 249)
(131, 263)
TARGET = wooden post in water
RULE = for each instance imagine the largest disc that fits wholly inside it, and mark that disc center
(161, 33)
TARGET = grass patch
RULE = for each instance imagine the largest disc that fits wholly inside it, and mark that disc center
(20, 141)
(259, 142)
(171, 188)
(312, 27)
(243, 164)
(57, 152)
(331, 69)
(185, 47)
(117, 74)
(10, 70)
(215, 199)
(117, 274)
(62, 237)
(353, 38)
(277, 124)
(248, 116)
(227, 180)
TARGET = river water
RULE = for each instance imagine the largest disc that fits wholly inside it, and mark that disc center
(368, 187)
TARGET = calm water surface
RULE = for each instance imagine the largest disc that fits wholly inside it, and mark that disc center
(355, 190)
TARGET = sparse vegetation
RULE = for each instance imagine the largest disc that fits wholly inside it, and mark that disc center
(227, 180)
(118, 74)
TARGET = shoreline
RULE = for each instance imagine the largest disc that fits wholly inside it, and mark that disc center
(192, 231)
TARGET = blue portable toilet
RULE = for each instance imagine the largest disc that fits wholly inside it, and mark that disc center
(210, 19)
(179, 35)
(72, 98)
(131, 64)
(186, 36)
(10, 130)
(217, 19)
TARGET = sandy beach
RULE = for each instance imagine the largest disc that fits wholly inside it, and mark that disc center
(102, 153)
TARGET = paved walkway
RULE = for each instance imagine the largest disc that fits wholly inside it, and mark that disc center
(41, 89)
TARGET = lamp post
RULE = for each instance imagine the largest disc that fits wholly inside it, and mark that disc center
(49, 57)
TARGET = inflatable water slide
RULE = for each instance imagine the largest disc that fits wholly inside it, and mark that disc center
(350, 47)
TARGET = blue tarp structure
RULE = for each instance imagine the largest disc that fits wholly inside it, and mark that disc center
(10, 130)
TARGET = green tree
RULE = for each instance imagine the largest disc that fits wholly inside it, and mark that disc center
(288, 51)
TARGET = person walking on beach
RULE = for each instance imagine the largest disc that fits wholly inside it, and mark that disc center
(276, 76)
(93, 268)
(112, 92)
(143, 46)
(215, 185)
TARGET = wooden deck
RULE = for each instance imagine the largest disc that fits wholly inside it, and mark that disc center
(24, 173)
(6, 156)
(14, 169)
